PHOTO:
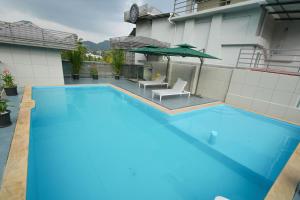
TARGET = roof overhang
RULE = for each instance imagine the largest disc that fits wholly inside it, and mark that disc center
(129, 42)
(283, 9)
(26, 33)
(150, 17)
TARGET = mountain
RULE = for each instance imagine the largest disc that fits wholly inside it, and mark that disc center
(91, 46)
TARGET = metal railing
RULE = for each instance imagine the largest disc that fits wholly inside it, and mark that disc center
(191, 6)
(273, 59)
(26, 33)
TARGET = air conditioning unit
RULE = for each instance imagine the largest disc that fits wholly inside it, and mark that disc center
(136, 12)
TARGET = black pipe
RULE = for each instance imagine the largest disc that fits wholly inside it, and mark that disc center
(199, 72)
(167, 69)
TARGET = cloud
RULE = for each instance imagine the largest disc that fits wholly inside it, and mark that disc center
(94, 20)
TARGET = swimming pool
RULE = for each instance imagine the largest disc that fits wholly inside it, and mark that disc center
(94, 142)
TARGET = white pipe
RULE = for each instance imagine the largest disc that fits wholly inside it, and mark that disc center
(173, 23)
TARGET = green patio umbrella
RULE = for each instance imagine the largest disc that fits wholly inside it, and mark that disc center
(152, 50)
(148, 50)
(186, 50)
(183, 50)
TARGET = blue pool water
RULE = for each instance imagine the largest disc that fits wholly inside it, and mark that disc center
(98, 143)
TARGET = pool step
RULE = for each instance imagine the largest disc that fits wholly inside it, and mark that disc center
(229, 162)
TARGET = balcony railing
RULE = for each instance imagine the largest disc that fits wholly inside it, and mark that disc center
(190, 6)
(32, 35)
(270, 59)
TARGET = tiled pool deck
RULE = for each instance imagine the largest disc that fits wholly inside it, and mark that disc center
(171, 102)
(6, 134)
(14, 182)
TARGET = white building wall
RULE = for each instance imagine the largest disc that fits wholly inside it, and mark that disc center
(240, 27)
(220, 34)
(202, 30)
(144, 28)
(275, 95)
(214, 82)
(214, 46)
(286, 35)
(165, 32)
(178, 33)
(32, 65)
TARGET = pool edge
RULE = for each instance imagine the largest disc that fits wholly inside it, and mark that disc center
(15, 174)
(164, 109)
(285, 184)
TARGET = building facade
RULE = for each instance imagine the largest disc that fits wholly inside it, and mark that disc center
(223, 28)
(32, 54)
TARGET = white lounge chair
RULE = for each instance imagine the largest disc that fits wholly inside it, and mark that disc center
(178, 89)
(159, 81)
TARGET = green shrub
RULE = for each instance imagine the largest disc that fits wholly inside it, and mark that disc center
(118, 58)
(93, 70)
(76, 57)
(3, 105)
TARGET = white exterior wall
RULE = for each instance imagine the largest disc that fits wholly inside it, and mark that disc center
(214, 46)
(165, 32)
(31, 65)
(221, 35)
(286, 35)
(274, 95)
(145, 28)
(214, 82)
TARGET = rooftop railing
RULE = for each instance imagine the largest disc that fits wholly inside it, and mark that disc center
(32, 35)
(270, 59)
(190, 6)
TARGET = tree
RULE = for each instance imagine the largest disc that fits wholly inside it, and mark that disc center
(107, 56)
(118, 58)
(76, 57)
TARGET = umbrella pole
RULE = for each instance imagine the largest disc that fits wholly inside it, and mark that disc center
(199, 72)
(167, 70)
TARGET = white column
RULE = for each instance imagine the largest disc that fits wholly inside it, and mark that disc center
(189, 32)
(214, 46)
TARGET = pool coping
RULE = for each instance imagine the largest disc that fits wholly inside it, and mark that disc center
(15, 174)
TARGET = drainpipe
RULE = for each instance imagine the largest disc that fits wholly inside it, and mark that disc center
(168, 57)
(173, 23)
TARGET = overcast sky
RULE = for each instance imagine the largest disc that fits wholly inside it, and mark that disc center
(94, 20)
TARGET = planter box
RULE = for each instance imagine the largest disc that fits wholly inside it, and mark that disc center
(75, 76)
(5, 119)
(95, 77)
(11, 91)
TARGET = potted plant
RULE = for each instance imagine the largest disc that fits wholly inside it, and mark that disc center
(8, 83)
(118, 58)
(4, 114)
(94, 72)
(76, 58)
